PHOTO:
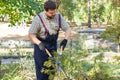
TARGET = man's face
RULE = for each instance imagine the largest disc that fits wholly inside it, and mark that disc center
(51, 13)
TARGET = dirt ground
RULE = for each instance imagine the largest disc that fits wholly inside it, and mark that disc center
(21, 32)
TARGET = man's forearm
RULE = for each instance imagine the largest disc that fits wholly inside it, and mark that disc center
(67, 34)
(33, 38)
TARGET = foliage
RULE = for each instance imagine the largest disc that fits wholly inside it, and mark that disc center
(74, 10)
(112, 33)
(13, 70)
(20, 71)
(69, 64)
(78, 65)
(81, 11)
(50, 68)
(67, 8)
(98, 10)
(19, 10)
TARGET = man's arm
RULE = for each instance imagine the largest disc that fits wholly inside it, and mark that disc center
(65, 40)
(35, 26)
(66, 28)
(33, 38)
(67, 34)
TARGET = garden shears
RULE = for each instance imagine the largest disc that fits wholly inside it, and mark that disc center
(60, 69)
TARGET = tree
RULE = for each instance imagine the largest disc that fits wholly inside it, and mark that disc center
(58, 3)
(112, 33)
(89, 14)
(98, 10)
(67, 8)
(18, 10)
(89, 10)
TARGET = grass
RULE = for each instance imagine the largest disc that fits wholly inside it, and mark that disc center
(74, 62)
(74, 67)
(21, 71)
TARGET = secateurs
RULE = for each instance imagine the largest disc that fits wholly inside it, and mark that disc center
(58, 63)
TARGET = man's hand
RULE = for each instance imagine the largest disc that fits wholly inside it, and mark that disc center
(63, 43)
(41, 46)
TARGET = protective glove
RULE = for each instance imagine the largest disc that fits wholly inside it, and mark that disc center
(63, 43)
(41, 46)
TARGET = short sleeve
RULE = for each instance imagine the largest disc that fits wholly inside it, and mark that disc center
(35, 26)
(64, 24)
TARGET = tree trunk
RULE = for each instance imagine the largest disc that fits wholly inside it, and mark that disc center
(118, 50)
(0, 63)
(98, 22)
(89, 15)
(119, 45)
(58, 3)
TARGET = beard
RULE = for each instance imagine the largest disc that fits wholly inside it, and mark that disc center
(50, 17)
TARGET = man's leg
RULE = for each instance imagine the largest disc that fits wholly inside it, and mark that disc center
(40, 57)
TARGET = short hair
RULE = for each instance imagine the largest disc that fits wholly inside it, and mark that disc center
(49, 5)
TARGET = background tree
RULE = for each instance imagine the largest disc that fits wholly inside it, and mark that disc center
(67, 8)
(89, 14)
(58, 3)
(74, 10)
(18, 10)
(112, 32)
(98, 10)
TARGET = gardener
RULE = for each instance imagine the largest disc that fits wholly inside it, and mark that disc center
(44, 32)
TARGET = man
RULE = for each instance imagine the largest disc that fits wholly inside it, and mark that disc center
(44, 33)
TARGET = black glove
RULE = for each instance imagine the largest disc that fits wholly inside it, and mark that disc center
(63, 43)
(41, 46)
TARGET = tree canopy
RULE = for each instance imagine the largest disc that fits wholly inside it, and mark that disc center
(18, 10)
(74, 10)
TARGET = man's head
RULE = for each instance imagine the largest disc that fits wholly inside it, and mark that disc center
(50, 8)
